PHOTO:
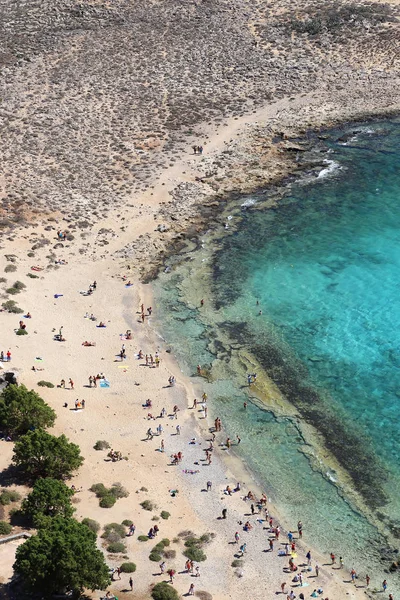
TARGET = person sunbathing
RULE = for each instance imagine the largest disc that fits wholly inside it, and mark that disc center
(101, 324)
(86, 343)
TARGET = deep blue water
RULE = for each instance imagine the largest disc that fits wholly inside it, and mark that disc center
(323, 267)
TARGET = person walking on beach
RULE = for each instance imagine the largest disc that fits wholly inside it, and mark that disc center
(191, 590)
(333, 558)
(384, 585)
(340, 562)
(283, 587)
(237, 537)
(209, 486)
(367, 579)
(308, 557)
(131, 583)
(162, 567)
(224, 512)
(353, 575)
(316, 570)
(178, 430)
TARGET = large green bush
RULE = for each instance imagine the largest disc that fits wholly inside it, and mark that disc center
(22, 410)
(49, 498)
(61, 558)
(108, 496)
(41, 454)
(116, 547)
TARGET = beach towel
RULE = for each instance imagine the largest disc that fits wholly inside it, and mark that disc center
(104, 383)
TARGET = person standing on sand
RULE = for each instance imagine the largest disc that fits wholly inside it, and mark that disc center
(209, 486)
(308, 557)
(191, 590)
(131, 583)
(71, 383)
(300, 529)
(333, 558)
(283, 586)
(162, 567)
(367, 579)
(316, 570)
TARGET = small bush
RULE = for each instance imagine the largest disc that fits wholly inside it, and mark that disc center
(119, 491)
(18, 285)
(165, 514)
(237, 563)
(10, 269)
(99, 489)
(155, 518)
(32, 276)
(31, 255)
(8, 496)
(107, 501)
(47, 384)
(165, 542)
(195, 554)
(21, 332)
(127, 522)
(101, 445)
(143, 538)
(147, 505)
(128, 567)
(203, 595)
(5, 528)
(144, 489)
(3, 280)
(116, 548)
(12, 291)
(12, 307)
(169, 554)
(155, 557)
(92, 524)
(164, 591)
(116, 529)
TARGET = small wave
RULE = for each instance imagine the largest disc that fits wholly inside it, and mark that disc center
(249, 202)
(332, 166)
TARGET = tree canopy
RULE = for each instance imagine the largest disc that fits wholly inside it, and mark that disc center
(62, 557)
(22, 410)
(41, 454)
(49, 498)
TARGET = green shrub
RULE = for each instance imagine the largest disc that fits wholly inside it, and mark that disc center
(107, 501)
(10, 269)
(128, 567)
(31, 255)
(21, 332)
(164, 591)
(12, 307)
(237, 563)
(114, 529)
(12, 291)
(116, 548)
(165, 542)
(165, 515)
(99, 489)
(18, 285)
(32, 276)
(155, 518)
(144, 489)
(147, 505)
(3, 280)
(194, 553)
(92, 524)
(155, 557)
(101, 445)
(127, 522)
(8, 496)
(5, 528)
(118, 491)
(47, 384)
(143, 538)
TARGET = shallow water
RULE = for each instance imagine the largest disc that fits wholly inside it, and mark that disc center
(324, 267)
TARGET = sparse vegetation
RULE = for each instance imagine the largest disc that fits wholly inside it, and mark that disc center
(109, 496)
(9, 496)
(164, 591)
(32, 276)
(92, 524)
(194, 547)
(143, 538)
(147, 505)
(5, 528)
(116, 548)
(21, 332)
(101, 445)
(10, 269)
(237, 562)
(127, 522)
(47, 384)
(128, 567)
(113, 532)
(165, 514)
(12, 307)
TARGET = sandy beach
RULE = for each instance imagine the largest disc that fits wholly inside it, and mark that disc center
(100, 111)
(116, 414)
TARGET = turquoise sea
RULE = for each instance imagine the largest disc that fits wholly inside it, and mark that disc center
(323, 268)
